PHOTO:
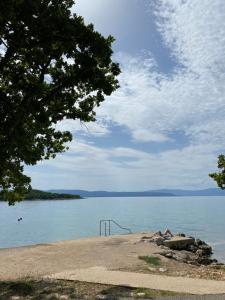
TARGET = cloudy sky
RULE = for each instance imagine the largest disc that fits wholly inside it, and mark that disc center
(164, 127)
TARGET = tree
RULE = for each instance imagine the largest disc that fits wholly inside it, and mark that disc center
(52, 67)
(220, 177)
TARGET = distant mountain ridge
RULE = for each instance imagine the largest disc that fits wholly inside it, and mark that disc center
(87, 194)
(203, 192)
(150, 193)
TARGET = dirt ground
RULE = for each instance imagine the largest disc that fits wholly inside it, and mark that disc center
(114, 253)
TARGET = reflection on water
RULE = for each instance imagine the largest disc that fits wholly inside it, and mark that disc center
(46, 221)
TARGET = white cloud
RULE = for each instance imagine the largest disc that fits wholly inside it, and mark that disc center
(194, 31)
(89, 167)
(153, 106)
(145, 135)
(98, 128)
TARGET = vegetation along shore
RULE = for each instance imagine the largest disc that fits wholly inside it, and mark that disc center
(41, 195)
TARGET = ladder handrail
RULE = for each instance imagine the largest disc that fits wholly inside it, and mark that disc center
(109, 229)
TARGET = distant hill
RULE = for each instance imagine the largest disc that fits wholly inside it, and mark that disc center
(205, 192)
(37, 194)
(40, 195)
(87, 194)
(150, 193)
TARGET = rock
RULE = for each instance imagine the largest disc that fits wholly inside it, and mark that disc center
(101, 297)
(64, 297)
(184, 248)
(163, 247)
(179, 243)
(206, 249)
(182, 257)
(199, 253)
(52, 296)
(146, 237)
(140, 294)
(220, 264)
(204, 260)
(163, 270)
(192, 248)
(192, 262)
(198, 242)
(181, 234)
(151, 269)
(159, 240)
(215, 266)
(169, 255)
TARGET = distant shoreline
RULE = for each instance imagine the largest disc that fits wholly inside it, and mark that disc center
(56, 199)
(148, 193)
(35, 195)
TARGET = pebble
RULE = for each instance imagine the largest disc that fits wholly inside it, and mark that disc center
(52, 296)
(140, 294)
(101, 297)
(163, 270)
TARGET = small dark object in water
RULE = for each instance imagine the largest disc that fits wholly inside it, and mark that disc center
(20, 219)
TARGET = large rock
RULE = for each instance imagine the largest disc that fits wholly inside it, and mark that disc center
(184, 249)
(179, 242)
(159, 240)
(206, 249)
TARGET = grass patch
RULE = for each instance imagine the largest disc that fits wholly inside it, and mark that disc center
(44, 289)
(154, 293)
(23, 288)
(151, 260)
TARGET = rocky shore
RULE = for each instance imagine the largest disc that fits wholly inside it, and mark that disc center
(183, 248)
(135, 253)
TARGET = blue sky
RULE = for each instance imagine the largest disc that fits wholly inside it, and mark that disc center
(164, 127)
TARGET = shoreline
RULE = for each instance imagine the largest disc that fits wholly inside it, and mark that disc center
(56, 242)
(94, 238)
(117, 252)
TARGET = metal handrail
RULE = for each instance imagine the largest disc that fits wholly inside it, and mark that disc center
(108, 222)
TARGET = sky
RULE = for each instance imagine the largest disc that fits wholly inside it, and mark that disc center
(164, 126)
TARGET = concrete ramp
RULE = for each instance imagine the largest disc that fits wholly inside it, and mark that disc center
(158, 282)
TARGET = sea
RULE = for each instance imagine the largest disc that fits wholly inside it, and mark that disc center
(47, 221)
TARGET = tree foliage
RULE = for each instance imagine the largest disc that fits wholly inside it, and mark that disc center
(52, 67)
(40, 195)
(220, 176)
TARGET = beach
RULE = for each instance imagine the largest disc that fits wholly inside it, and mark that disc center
(119, 252)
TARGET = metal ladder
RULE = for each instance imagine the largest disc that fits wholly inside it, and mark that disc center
(105, 227)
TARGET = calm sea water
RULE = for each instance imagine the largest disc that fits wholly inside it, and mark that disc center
(47, 221)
